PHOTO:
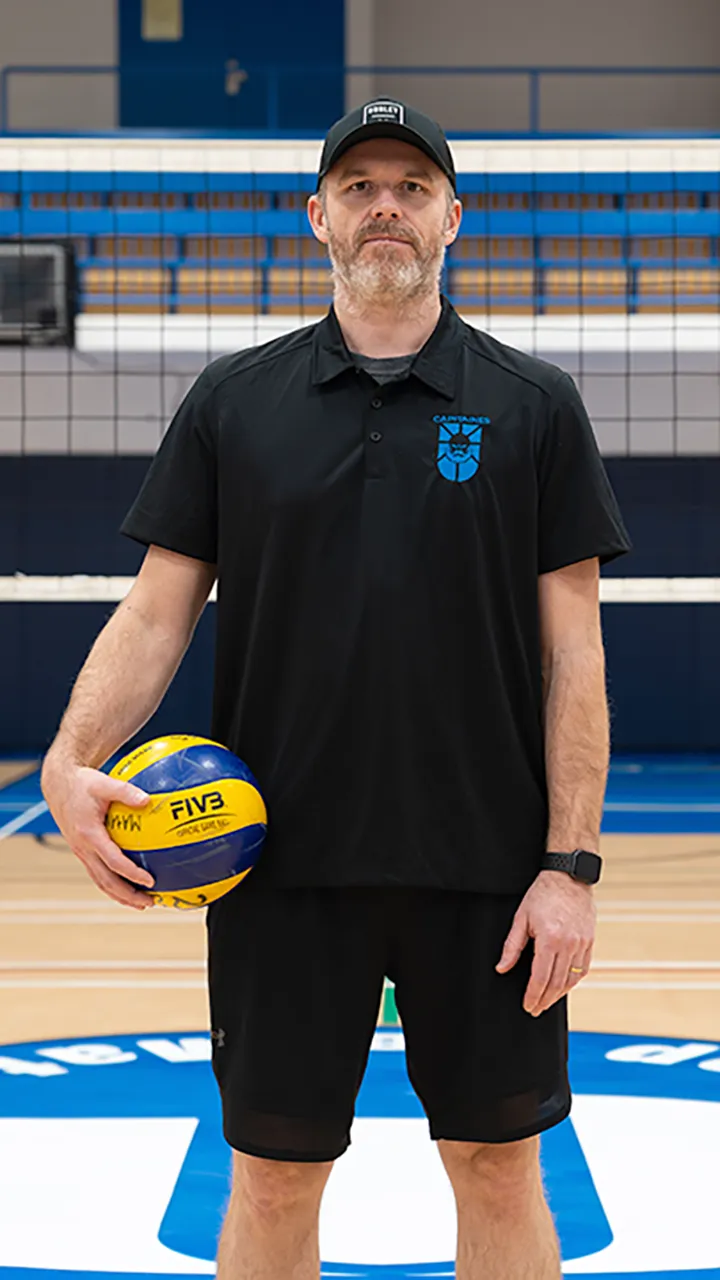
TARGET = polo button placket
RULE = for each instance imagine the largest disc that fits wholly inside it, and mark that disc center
(374, 461)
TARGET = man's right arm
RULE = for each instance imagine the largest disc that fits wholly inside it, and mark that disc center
(121, 684)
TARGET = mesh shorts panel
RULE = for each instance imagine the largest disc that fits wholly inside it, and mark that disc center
(285, 1137)
(505, 1119)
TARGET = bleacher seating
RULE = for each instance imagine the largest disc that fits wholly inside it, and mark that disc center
(681, 289)
(225, 289)
(299, 289)
(500, 289)
(531, 243)
(569, 289)
(111, 289)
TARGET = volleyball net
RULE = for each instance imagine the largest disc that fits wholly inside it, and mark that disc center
(602, 257)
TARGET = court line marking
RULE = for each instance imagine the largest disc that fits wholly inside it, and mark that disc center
(133, 966)
(68, 904)
(9, 917)
(656, 965)
(157, 917)
(621, 985)
(651, 806)
(88, 906)
(22, 819)
(613, 904)
(103, 984)
(659, 917)
(199, 984)
(651, 904)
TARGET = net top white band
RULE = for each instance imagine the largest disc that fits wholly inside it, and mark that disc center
(228, 155)
(82, 588)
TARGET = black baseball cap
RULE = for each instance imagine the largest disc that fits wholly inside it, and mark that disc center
(387, 118)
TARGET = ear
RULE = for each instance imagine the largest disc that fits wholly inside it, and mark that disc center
(317, 219)
(453, 222)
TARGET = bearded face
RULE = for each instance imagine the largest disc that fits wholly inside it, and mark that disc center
(386, 213)
(387, 261)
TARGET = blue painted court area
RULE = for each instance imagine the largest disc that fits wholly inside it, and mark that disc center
(629, 1176)
(646, 795)
(649, 795)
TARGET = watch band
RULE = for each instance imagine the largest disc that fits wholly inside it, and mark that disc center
(559, 862)
(581, 865)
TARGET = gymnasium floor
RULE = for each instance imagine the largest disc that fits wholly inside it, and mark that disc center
(111, 1161)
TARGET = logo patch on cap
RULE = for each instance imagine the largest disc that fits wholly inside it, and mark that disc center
(381, 112)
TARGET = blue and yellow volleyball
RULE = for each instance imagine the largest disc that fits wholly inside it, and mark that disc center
(204, 826)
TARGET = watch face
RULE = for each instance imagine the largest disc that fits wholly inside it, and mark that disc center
(587, 866)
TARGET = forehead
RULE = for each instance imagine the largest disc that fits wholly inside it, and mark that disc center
(383, 155)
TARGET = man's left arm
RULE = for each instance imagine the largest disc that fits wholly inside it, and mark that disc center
(558, 913)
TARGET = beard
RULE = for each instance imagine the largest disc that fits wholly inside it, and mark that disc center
(383, 274)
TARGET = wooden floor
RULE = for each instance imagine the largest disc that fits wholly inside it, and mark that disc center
(73, 963)
(11, 770)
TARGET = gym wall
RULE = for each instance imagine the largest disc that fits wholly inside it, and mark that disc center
(557, 33)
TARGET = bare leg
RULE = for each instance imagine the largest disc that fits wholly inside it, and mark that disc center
(271, 1226)
(505, 1229)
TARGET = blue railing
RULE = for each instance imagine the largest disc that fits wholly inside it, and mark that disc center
(274, 77)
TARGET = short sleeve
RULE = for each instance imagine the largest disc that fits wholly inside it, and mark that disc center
(176, 507)
(578, 515)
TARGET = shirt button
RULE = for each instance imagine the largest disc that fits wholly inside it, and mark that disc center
(376, 403)
(375, 436)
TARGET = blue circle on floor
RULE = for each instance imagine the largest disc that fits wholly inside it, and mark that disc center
(112, 1163)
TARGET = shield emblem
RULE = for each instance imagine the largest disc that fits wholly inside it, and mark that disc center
(458, 450)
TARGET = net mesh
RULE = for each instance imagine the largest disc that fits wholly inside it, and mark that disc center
(601, 257)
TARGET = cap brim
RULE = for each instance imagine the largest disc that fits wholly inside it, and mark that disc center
(402, 132)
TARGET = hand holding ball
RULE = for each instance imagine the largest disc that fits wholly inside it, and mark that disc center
(204, 827)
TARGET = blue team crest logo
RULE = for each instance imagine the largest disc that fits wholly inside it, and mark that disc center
(113, 1166)
(459, 445)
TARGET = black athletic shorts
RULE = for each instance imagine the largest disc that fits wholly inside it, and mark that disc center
(296, 979)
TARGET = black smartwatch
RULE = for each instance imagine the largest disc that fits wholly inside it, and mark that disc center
(580, 864)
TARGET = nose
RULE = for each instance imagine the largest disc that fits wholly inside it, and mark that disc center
(385, 205)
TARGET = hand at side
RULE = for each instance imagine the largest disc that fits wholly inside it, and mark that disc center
(559, 914)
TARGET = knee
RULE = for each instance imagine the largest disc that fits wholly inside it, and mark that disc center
(503, 1176)
(271, 1187)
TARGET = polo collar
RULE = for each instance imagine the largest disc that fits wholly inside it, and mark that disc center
(435, 364)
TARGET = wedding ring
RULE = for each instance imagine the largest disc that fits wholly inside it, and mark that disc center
(577, 970)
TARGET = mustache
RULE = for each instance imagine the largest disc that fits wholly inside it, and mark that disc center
(372, 230)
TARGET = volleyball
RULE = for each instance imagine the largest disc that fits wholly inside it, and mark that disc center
(204, 826)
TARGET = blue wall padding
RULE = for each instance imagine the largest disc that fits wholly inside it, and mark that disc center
(61, 516)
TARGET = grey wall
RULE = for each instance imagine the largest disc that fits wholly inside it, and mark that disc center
(418, 32)
(60, 32)
(564, 33)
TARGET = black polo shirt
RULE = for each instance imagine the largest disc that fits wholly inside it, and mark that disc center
(378, 552)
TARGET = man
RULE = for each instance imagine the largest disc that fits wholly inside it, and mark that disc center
(405, 519)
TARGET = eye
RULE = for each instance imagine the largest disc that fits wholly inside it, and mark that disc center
(360, 185)
(414, 187)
